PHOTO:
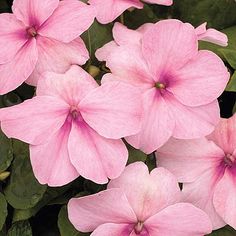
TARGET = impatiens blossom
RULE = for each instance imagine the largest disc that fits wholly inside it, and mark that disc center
(139, 203)
(74, 127)
(207, 167)
(109, 10)
(41, 35)
(179, 83)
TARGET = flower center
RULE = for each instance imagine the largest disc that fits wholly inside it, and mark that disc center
(31, 31)
(138, 227)
(159, 85)
(75, 114)
(229, 160)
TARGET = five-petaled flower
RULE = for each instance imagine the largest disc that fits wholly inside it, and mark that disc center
(75, 127)
(207, 167)
(41, 35)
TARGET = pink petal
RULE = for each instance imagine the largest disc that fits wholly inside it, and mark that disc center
(224, 135)
(160, 2)
(12, 37)
(168, 45)
(211, 35)
(34, 13)
(68, 21)
(103, 53)
(200, 193)
(57, 57)
(193, 122)
(51, 162)
(34, 120)
(109, 206)
(188, 159)
(14, 73)
(71, 87)
(205, 76)
(95, 157)
(181, 219)
(113, 229)
(224, 197)
(147, 193)
(110, 114)
(109, 10)
(158, 123)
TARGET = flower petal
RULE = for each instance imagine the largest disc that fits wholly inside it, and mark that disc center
(181, 219)
(158, 123)
(34, 13)
(224, 135)
(68, 21)
(103, 53)
(224, 197)
(114, 110)
(14, 73)
(57, 57)
(188, 159)
(35, 120)
(109, 10)
(147, 193)
(109, 206)
(160, 2)
(51, 162)
(168, 45)
(12, 36)
(94, 157)
(205, 76)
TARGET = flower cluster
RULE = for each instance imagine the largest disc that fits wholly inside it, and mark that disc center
(74, 126)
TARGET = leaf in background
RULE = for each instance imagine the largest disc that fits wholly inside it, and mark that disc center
(20, 228)
(231, 87)
(135, 154)
(226, 231)
(23, 190)
(3, 210)
(230, 56)
(65, 227)
(96, 36)
(6, 152)
(219, 14)
(234, 108)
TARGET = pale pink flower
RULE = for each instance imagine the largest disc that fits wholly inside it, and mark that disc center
(74, 127)
(109, 10)
(211, 35)
(180, 84)
(41, 35)
(139, 203)
(207, 167)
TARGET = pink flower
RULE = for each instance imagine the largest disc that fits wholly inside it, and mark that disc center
(138, 203)
(179, 83)
(74, 127)
(41, 35)
(207, 167)
(211, 35)
(109, 10)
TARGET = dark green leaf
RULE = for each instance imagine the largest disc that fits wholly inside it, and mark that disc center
(232, 83)
(6, 152)
(135, 155)
(65, 227)
(23, 190)
(234, 109)
(230, 56)
(3, 210)
(226, 231)
(20, 228)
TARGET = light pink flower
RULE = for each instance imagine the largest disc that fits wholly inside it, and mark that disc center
(207, 167)
(109, 10)
(179, 83)
(138, 203)
(74, 127)
(211, 35)
(41, 35)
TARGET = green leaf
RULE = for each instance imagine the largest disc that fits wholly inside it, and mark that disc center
(219, 14)
(234, 109)
(6, 152)
(229, 55)
(65, 227)
(20, 228)
(23, 190)
(3, 210)
(96, 36)
(135, 155)
(226, 231)
(232, 83)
